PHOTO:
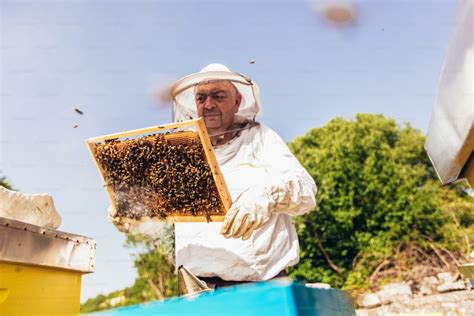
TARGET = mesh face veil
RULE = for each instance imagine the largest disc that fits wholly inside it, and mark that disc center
(184, 104)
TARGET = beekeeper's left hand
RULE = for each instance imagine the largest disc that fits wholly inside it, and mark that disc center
(144, 226)
(251, 210)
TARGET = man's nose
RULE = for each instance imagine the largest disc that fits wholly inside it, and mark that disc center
(209, 103)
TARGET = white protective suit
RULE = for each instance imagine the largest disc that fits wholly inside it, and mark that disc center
(257, 167)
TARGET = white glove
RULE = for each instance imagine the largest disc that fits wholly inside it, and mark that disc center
(145, 226)
(251, 210)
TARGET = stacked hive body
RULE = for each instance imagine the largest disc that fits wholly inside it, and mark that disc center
(280, 297)
(41, 269)
(165, 173)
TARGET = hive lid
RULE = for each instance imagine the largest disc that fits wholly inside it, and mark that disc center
(34, 245)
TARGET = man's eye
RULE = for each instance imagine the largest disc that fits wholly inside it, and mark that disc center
(200, 98)
(219, 97)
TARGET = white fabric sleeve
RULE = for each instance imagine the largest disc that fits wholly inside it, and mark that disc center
(288, 183)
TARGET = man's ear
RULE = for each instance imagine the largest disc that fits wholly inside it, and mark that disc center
(238, 100)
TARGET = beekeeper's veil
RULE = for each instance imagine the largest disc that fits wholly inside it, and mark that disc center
(184, 104)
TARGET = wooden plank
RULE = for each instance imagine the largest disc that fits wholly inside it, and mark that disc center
(110, 193)
(183, 219)
(146, 130)
(211, 159)
(174, 219)
(279, 297)
(467, 270)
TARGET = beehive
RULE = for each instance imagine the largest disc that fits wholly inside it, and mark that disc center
(159, 196)
(41, 269)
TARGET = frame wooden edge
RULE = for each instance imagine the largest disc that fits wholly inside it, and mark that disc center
(142, 131)
(110, 193)
(174, 219)
(190, 219)
(216, 173)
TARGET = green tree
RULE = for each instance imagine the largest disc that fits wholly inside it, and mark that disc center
(156, 280)
(155, 264)
(377, 195)
(92, 304)
(4, 183)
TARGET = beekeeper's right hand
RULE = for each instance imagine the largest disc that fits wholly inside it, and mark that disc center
(145, 226)
(251, 210)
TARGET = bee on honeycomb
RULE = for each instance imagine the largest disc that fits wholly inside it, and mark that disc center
(156, 177)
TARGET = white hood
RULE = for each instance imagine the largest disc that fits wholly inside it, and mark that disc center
(184, 105)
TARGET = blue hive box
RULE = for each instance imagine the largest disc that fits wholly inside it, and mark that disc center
(278, 297)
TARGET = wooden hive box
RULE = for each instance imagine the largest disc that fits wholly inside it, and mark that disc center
(41, 269)
(181, 133)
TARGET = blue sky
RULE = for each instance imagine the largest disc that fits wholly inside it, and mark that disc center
(106, 56)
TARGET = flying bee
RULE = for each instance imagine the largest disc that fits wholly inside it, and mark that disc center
(78, 111)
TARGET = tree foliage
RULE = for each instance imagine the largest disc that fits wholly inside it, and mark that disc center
(155, 262)
(377, 192)
(4, 183)
(156, 279)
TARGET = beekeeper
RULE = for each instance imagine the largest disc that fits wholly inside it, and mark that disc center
(257, 240)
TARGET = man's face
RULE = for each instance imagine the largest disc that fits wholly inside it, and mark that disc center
(217, 102)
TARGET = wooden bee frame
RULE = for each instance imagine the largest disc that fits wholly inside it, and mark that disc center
(200, 134)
